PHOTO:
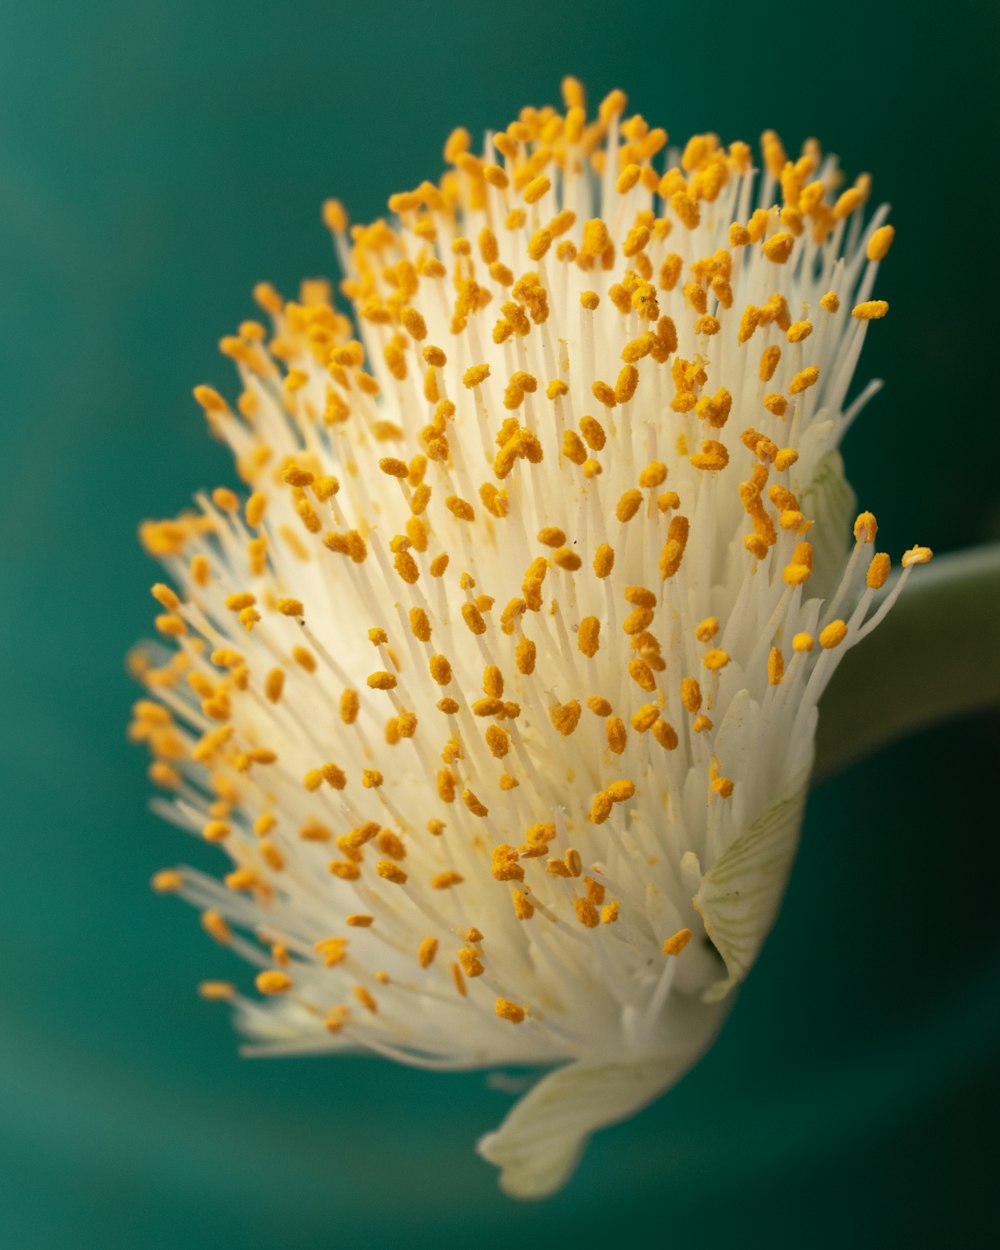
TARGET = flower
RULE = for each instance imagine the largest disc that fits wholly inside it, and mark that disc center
(499, 689)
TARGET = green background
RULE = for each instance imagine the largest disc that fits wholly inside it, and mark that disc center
(156, 159)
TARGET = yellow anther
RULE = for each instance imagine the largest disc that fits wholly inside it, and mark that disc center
(475, 375)
(691, 694)
(627, 179)
(350, 705)
(712, 457)
(865, 528)
(215, 831)
(636, 239)
(804, 379)
(166, 881)
(769, 358)
(615, 731)
(210, 399)
(333, 950)
(715, 659)
(366, 999)
(473, 618)
(420, 626)
(294, 476)
(916, 555)
(166, 597)
(170, 625)
(779, 247)
(565, 716)
(880, 242)
(593, 433)
(393, 467)
(458, 142)
(776, 404)
(566, 558)
(461, 509)
(290, 607)
(589, 300)
(382, 681)
(706, 630)
(586, 913)
(525, 656)
(216, 990)
(495, 176)
(588, 636)
(833, 635)
(604, 556)
(775, 666)
(488, 706)
(645, 718)
(273, 982)
(334, 777)
(505, 866)
(878, 571)
(536, 188)
(803, 643)
(701, 724)
(344, 869)
(472, 802)
(604, 394)
(628, 505)
(870, 310)
(524, 909)
(507, 1010)
(676, 943)
(426, 951)
(638, 620)
(798, 331)
(264, 823)
(552, 536)
(390, 871)
(665, 735)
(830, 302)
(748, 322)
(848, 201)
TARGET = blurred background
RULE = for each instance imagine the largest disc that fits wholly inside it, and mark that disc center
(157, 157)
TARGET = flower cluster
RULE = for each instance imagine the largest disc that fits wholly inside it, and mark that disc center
(498, 687)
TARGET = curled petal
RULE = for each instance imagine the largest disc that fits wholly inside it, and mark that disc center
(740, 894)
(541, 1139)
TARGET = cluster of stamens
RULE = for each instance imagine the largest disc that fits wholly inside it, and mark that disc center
(541, 571)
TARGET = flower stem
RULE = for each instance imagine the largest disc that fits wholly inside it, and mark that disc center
(936, 656)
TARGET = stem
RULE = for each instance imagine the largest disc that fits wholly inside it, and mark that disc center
(936, 656)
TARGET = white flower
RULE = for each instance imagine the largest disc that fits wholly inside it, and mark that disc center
(500, 688)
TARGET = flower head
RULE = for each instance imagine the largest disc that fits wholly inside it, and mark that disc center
(498, 687)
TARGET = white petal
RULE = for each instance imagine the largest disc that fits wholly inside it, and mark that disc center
(543, 1136)
(831, 501)
(740, 894)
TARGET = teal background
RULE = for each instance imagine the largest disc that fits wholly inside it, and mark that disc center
(156, 159)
